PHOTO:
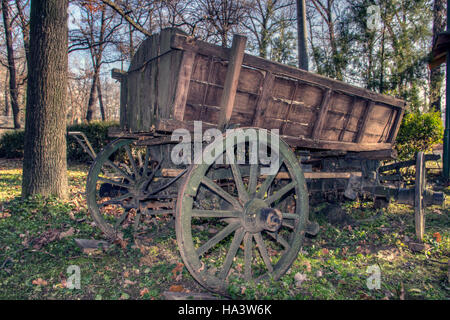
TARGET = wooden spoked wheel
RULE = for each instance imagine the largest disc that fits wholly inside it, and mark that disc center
(121, 187)
(233, 222)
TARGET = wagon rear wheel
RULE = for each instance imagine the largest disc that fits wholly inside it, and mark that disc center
(120, 186)
(240, 222)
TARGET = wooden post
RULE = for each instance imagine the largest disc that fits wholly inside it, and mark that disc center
(231, 80)
(418, 202)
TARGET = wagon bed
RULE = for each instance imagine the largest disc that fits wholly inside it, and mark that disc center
(175, 80)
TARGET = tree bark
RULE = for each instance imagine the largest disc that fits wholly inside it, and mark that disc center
(92, 95)
(437, 76)
(45, 164)
(302, 35)
(6, 111)
(100, 100)
(13, 89)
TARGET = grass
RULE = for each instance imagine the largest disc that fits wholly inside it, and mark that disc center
(37, 247)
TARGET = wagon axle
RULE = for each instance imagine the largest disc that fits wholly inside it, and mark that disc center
(258, 216)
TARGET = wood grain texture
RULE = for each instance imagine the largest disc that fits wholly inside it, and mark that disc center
(232, 79)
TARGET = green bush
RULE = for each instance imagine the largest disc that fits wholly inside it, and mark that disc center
(97, 134)
(11, 143)
(419, 132)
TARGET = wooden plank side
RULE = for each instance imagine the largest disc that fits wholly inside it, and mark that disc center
(262, 101)
(182, 42)
(182, 87)
(396, 126)
(231, 82)
(364, 121)
(317, 131)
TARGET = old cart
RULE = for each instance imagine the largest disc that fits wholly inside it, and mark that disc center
(237, 220)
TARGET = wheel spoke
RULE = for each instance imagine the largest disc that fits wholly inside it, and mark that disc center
(133, 163)
(268, 181)
(216, 214)
(217, 238)
(146, 160)
(116, 200)
(253, 180)
(119, 171)
(280, 193)
(287, 224)
(234, 247)
(121, 219)
(222, 193)
(248, 256)
(280, 240)
(243, 195)
(290, 216)
(116, 183)
(263, 251)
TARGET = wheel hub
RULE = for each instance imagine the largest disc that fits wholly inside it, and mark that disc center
(257, 216)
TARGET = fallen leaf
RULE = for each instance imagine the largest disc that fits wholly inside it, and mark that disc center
(176, 288)
(299, 279)
(39, 282)
(45, 238)
(129, 282)
(143, 292)
(178, 268)
(67, 233)
(307, 264)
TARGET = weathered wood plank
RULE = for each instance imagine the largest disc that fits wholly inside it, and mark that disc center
(262, 102)
(232, 79)
(396, 126)
(289, 108)
(183, 43)
(364, 122)
(347, 120)
(118, 74)
(325, 105)
(182, 88)
(284, 175)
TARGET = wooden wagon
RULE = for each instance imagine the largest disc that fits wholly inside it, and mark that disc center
(237, 219)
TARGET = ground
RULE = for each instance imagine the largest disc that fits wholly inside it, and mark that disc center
(37, 247)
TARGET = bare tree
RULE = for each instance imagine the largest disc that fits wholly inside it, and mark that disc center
(95, 32)
(436, 76)
(13, 86)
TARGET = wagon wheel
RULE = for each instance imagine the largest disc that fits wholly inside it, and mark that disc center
(255, 223)
(121, 185)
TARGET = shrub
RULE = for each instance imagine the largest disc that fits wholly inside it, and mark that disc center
(97, 134)
(11, 143)
(419, 132)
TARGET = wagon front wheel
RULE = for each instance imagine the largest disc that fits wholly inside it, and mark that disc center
(121, 186)
(242, 221)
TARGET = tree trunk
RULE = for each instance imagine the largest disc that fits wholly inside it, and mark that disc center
(6, 111)
(302, 35)
(92, 95)
(437, 76)
(100, 100)
(13, 90)
(45, 164)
